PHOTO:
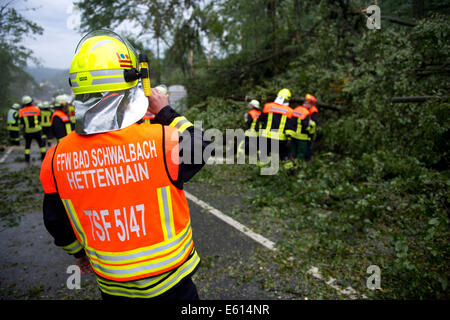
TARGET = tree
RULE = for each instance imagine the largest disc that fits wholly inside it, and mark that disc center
(13, 55)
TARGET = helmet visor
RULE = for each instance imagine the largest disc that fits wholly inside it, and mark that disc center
(109, 111)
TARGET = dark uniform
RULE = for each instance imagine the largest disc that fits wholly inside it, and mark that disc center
(61, 124)
(29, 117)
(47, 132)
(300, 137)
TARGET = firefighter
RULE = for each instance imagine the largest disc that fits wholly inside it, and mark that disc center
(274, 123)
(29, 118)
(310, 104)
(251, 132)
(46, 115)
(60, 121)
(114, 194)
(300, 137)
(70, 110)
(14, 124)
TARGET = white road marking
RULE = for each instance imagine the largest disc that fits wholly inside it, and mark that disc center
(314, 271)
(257, 237)
(8, 151)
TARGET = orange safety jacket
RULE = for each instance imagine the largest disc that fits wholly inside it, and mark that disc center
(313, 109)
(252, 131)
(271, 130)
(118, 192)
(65, 119)
(60, 114)
(29, 115)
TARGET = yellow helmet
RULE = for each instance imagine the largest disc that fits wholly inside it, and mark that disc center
(285, 93)
(254, 103)
(103, 62)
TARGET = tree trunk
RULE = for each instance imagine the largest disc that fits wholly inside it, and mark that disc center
(418, 9)
(191, 62)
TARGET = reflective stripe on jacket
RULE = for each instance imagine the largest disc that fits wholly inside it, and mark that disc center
(125, 211)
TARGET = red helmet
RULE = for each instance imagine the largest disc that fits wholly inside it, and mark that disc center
(310, 97)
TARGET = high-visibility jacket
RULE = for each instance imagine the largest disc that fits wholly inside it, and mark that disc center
(253, 116)
(273, 127)
(46, 115)
(66, 121)
(314, 117)
(29, 116)
(302, 116)
(71, 113)
(120, 199)
(12, 120)
(148, 117)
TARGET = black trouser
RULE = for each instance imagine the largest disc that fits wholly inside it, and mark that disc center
(183, 291)
(29, 137)
(253, 141)
(265, 145)
(47, 135)
(14, 137)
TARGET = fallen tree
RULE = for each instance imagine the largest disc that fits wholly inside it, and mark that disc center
(415, 99)
(240, 97)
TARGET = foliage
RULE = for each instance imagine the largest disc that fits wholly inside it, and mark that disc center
(376, 189)
(13, 55)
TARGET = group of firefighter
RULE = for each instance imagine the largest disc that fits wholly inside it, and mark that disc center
(42, 121)
(292, 129)
(46, 121)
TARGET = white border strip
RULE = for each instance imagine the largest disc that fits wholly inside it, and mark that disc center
(257, 237)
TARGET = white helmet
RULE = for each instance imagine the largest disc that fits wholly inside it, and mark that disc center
(254, 103)
(60, 100)
(26, 99)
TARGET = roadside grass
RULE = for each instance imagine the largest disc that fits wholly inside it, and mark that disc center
(21, 192)
(343, 216)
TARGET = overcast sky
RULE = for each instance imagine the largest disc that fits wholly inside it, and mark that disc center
(55, 47)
